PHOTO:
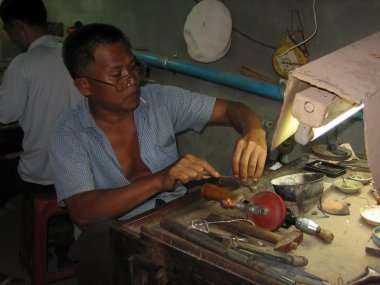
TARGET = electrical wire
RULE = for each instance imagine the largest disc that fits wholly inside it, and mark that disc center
(309, 38)
(251, 39)
(248, 37)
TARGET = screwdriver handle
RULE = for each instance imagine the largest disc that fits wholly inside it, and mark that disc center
(216, 193)
(325, 235)
(310, 227)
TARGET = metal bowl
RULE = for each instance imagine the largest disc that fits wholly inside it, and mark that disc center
(299, 186)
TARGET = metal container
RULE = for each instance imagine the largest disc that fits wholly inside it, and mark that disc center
(299, 187)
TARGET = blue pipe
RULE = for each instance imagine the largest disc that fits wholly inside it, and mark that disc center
(268, 90)
(265, 89)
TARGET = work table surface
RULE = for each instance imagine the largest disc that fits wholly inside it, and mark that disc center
(338, 262)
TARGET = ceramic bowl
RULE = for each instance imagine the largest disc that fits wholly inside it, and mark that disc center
(376, 236)
(348, 186)
(371, 214)
(362, 177)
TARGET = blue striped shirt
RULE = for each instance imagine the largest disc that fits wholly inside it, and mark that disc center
(82, 158)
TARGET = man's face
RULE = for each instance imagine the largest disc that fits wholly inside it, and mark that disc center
(114, 82)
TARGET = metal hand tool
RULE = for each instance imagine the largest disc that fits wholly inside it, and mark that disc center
(283, 242)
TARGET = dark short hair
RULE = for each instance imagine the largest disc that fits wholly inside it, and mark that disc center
(79, 46)
(31, 12)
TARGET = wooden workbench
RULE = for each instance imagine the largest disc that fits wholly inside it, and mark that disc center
(166, 256)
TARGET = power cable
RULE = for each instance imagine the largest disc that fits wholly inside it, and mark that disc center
(309, 38)
(248, 37)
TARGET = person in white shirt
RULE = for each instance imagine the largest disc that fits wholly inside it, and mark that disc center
(36, 88)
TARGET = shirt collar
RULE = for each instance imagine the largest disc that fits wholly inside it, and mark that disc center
(143, 108)
(42, 41)
(86, 118)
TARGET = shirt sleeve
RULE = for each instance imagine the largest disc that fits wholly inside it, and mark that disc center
(188, 110)
(70, 163)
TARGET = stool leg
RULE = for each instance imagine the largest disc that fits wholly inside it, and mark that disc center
(39, 263)
(26, 234)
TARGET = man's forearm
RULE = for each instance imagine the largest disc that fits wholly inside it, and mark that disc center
(89, 206)
(242, 118)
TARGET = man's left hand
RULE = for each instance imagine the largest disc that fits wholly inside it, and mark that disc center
(249, 155)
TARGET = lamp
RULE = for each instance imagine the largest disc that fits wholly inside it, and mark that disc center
(333, 88)
(318, 111)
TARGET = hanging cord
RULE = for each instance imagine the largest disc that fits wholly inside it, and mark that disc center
(300, 27)
(309, 38)
(246, 36)
(253, 40)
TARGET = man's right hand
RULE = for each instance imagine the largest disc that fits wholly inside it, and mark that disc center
(186, 169)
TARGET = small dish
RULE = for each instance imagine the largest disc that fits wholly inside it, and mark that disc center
(362, 177)
(371, 214)
(348, 186)
(376, 236)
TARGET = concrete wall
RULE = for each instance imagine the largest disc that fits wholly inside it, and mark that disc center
(157, 26)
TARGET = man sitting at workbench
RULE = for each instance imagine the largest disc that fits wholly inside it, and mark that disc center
(115, 155)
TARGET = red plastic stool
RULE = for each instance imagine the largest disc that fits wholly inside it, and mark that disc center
(38, 208)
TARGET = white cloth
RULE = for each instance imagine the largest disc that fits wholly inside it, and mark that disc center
(36, 88)
(207, 31)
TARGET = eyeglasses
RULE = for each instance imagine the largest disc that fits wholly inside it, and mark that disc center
(123, 82)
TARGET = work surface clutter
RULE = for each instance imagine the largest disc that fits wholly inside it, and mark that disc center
(342, 251)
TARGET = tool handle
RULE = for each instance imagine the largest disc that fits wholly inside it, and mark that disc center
(298, 260)
(295, 260)
(325, 235)
(213, 192)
